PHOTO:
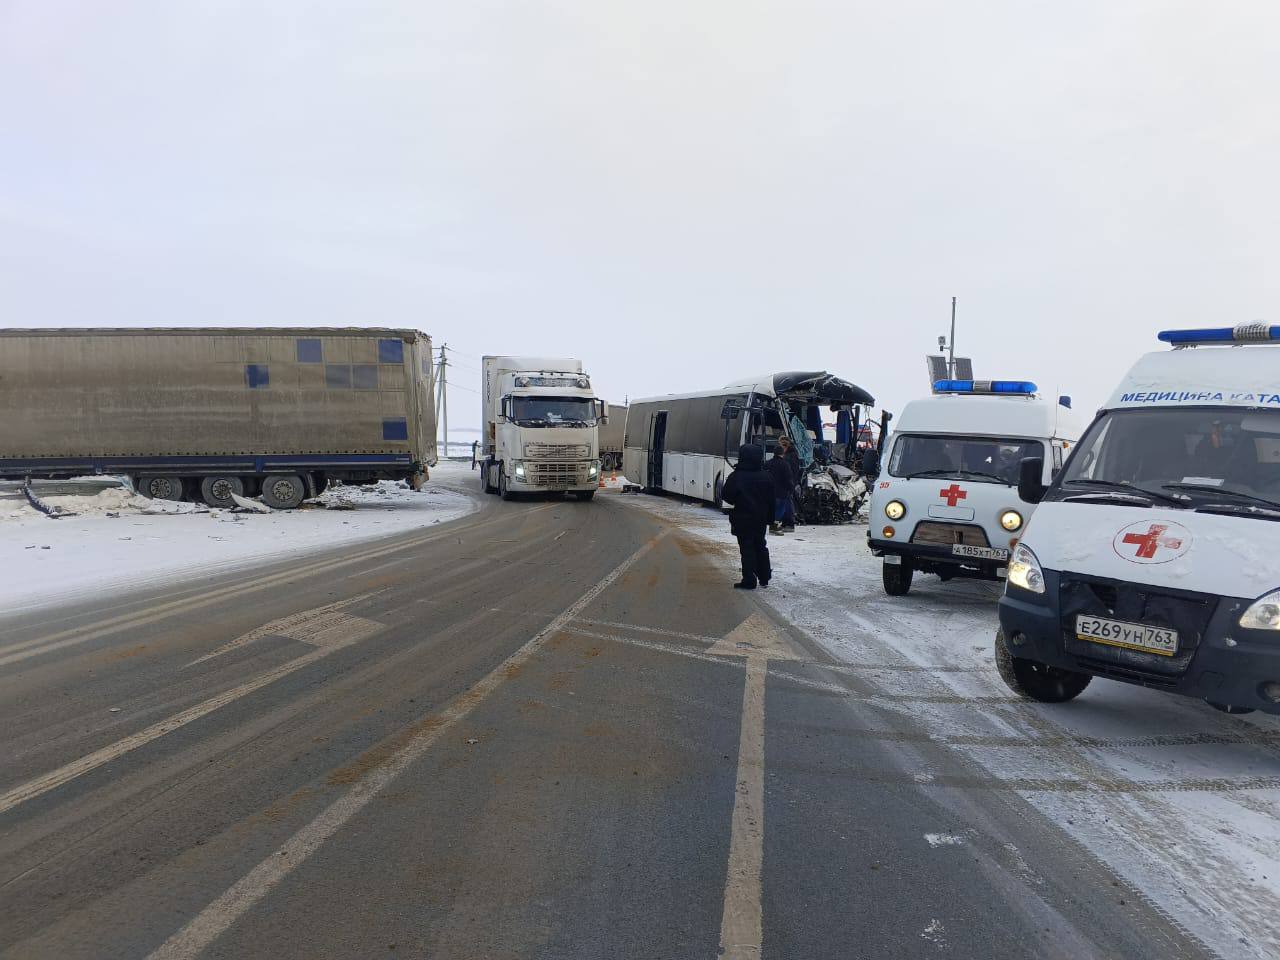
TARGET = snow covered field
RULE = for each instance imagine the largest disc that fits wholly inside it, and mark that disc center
(1177, 798)
(119, 540)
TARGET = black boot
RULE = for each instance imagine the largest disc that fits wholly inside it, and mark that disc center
(744, 586)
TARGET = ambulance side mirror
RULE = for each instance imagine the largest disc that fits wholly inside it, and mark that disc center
(1031, 486)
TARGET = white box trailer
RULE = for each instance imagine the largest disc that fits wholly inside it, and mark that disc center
(541, 427)
(211, 412)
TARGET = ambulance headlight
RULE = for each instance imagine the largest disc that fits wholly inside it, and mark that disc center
(1024, 570)
(895, 509)
(1264, 614)
(1011, 520)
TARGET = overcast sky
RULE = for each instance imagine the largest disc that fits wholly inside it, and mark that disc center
(680, 193)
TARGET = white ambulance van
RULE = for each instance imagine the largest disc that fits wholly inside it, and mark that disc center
(946, 500)
(1154, 557)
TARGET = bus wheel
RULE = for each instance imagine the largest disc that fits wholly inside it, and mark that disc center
(218, 491)
(1037, 681)
(897, 578)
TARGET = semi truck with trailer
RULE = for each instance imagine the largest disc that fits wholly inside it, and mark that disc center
(213, 413)
(541, 427)
(611, 436)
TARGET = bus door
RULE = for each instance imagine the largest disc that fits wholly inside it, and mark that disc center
(657, 445)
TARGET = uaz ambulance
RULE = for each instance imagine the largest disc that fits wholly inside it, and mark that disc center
(1154, 557)
(945, 500)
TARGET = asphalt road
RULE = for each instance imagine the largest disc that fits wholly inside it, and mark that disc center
(546, 730)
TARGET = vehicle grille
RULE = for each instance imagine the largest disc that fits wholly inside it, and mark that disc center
(1188, 613)
(946, 534)
(555, 474)
(556, 451)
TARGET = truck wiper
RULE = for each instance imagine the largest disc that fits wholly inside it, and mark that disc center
(1130, 489)
(1223, 492)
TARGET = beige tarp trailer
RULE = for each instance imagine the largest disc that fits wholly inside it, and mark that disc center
(207, 412)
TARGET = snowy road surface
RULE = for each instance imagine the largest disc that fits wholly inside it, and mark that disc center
(1178, 798)
(550, 729)
(111, 544)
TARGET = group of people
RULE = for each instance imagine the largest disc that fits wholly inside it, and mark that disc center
(762, 496)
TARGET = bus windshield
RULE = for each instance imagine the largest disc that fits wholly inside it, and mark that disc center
(982, 459)
(553, 411)
(1184, 456)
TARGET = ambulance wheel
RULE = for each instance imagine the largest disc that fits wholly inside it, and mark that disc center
(1037, 681)
(897, 578)
(1227, 708)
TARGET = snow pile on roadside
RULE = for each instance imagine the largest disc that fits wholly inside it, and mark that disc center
(117, 540)
(1175, 797)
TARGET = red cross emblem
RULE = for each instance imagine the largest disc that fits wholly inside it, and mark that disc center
(1147, 542)
(952, 494)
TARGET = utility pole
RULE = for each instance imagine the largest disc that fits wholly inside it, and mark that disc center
(442, 397)
(951, 344)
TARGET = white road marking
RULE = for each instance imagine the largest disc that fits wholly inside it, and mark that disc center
(741, 926)
(331, 632)
(305, 627)
(218, 916)
(14, 653)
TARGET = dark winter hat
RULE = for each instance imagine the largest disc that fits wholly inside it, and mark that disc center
(750, 456)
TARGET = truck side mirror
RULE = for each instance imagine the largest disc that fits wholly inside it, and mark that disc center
(1031, 486)
(603, 416)
(871, 463)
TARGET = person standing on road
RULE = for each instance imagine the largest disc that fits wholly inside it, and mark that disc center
(750, 490)
(784, 482)
(792, 457)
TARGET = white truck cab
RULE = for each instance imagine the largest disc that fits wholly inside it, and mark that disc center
(541, 428)
(1154, 557)
(946, 500)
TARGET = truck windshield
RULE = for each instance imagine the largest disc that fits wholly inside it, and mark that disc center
(983, 459)
(1221, 456)
(553, 411)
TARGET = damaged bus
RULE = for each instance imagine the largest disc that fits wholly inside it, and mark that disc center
(688, 443)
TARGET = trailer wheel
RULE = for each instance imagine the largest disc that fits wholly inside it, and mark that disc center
(897, 578)
(161, 488)
(1037, 681)
(283, 492)
(217, 491)
(503, 492)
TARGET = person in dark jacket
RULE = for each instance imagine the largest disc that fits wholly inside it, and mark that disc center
(750, 490)
(784, 482)
(792, 456)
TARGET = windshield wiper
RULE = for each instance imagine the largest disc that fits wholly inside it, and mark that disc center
(957, 474)
(1240, 510)
(1130, 489)
(1223, 492)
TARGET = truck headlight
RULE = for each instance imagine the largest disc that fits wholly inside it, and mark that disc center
(594, 468)
(895, 509)
(1263, 614)
(518, 467)
(1011, 520)
(1024, 570)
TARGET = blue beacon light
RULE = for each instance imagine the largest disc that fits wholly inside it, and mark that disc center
(984, 386)
(1244, 333)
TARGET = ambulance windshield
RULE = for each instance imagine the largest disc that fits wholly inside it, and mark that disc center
(983, 459)
(1184, 456)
